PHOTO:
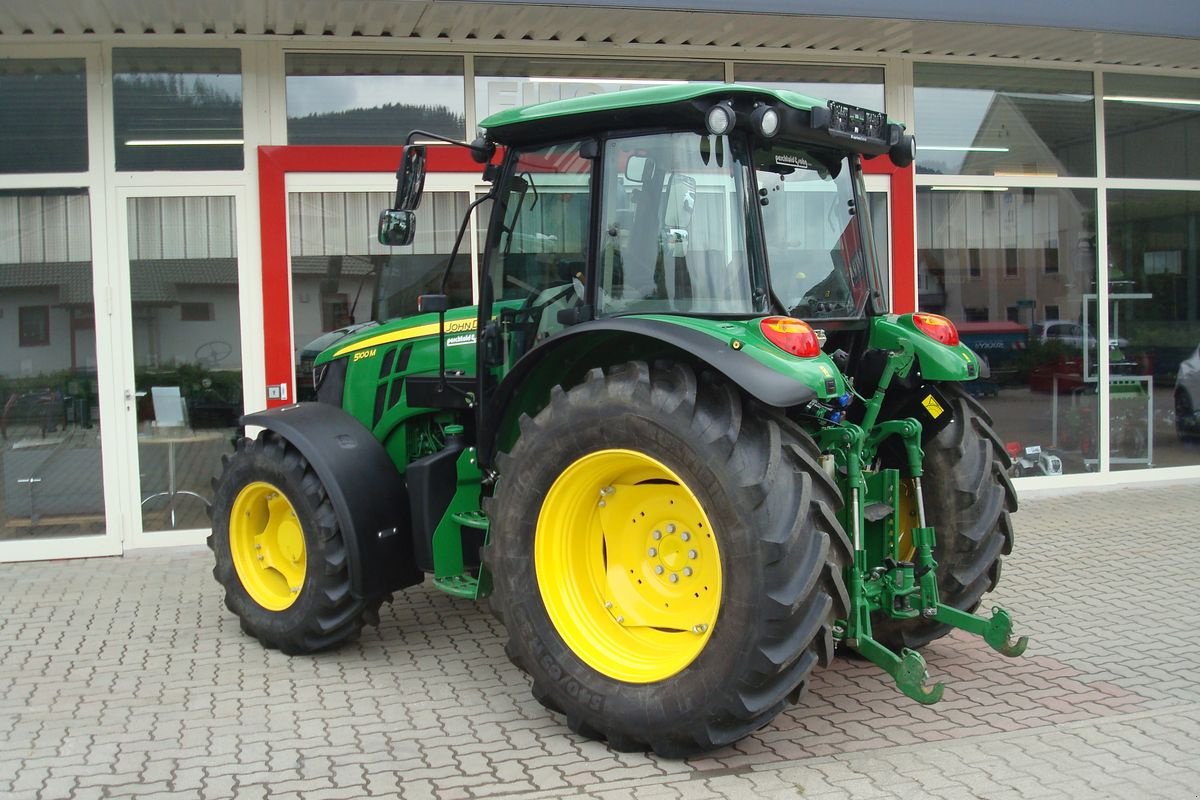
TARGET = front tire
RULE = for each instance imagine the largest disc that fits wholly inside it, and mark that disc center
(968, 500)
(666, 642)
(280, 554)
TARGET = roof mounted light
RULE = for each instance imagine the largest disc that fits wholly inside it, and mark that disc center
(720, 119)
(766, 121)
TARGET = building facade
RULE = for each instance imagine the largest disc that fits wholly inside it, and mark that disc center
(188, 194)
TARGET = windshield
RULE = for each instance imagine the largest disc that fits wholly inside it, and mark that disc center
(674, 227)
(819, 261)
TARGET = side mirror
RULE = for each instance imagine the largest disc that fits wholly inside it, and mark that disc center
(397, 228)
(904, 152)
(410, 178)
(681, 202)
(635, 169)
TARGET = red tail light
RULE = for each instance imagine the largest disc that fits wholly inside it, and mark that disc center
(936, 327)
(791, 335)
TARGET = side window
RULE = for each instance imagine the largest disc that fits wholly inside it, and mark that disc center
(540, 247)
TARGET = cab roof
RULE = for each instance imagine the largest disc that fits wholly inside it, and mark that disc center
(672, 105)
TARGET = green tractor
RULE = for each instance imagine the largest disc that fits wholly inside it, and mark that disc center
(680, 444)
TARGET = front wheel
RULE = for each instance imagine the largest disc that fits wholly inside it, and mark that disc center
(666, 559)
(968, 500)
(280, 553)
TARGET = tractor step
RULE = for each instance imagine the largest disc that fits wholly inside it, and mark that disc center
(471, 519)
(464, 586)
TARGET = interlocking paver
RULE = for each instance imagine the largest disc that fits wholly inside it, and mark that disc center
(127, 677)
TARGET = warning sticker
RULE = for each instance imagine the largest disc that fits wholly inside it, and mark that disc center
(933, 407)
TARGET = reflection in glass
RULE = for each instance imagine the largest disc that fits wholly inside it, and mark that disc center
(504, 82)
(43, 115)
(1154, 308)
(1152, 126)
(336, 98)
(187, 351)
(50, 466)
(983, 120)
(343, 279)
(1016, 271)
(177, 109)
(858, 86)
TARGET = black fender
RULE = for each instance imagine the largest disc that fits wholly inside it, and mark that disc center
(759, 381)
(367, 492)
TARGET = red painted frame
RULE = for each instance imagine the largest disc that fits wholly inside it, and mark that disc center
(903, 229)
(275, 162)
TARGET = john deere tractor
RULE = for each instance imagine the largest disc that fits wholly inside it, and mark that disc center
(680, 443)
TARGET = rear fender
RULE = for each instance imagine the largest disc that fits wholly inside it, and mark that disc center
(735, 350)
(367, 493)
(939, 362)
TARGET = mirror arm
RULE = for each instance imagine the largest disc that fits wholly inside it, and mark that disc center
(483, 150)
(462, 229)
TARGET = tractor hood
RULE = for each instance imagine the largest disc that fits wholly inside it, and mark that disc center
(323, 342)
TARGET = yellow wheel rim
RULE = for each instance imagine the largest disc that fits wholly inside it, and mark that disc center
(267, 543)
(628, 566)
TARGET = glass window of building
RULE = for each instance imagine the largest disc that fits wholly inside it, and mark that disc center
(342, 276)
(858, 86)
(50, 463)
(1016, 271)
(1151, 126)
(43, 115)
(188, 366)
(1154, 328)
(503, 82)
(336, 98)
(177, 108)
(982, 120)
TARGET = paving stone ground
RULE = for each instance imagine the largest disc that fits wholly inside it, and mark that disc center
(127, 677)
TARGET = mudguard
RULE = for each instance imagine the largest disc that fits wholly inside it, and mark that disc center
(768, 385)
(367, 493)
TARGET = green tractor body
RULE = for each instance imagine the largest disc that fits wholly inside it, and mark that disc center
(680, 443)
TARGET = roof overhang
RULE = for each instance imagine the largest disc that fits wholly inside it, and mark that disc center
(764, 29)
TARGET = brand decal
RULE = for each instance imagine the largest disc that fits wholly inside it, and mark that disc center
(785, 160)
(462, 338)
(361, 354)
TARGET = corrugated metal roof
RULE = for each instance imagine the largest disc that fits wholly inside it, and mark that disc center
(602, 30)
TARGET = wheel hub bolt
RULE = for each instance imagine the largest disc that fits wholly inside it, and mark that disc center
(621, 620)
(671, 528)
(608, 490)
(698, 629)
(658, 570)
(602, 504)
(295, 589)
(687, 572)
(608, 603)
(260, 558)
(685, 536)
(692, 554)
(656, 535)
(653, 552)
(674, 578)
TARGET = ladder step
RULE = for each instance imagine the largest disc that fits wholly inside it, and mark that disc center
(471, 519)
(463, 586)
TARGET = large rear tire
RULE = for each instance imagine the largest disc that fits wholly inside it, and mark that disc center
(666, 558)
(280, 553)
(968, 500)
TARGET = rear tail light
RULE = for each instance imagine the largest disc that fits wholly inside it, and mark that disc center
(792, 336)
(936, 327)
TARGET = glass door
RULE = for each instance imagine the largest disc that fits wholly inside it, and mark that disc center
(53, 496)
(184, 380)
